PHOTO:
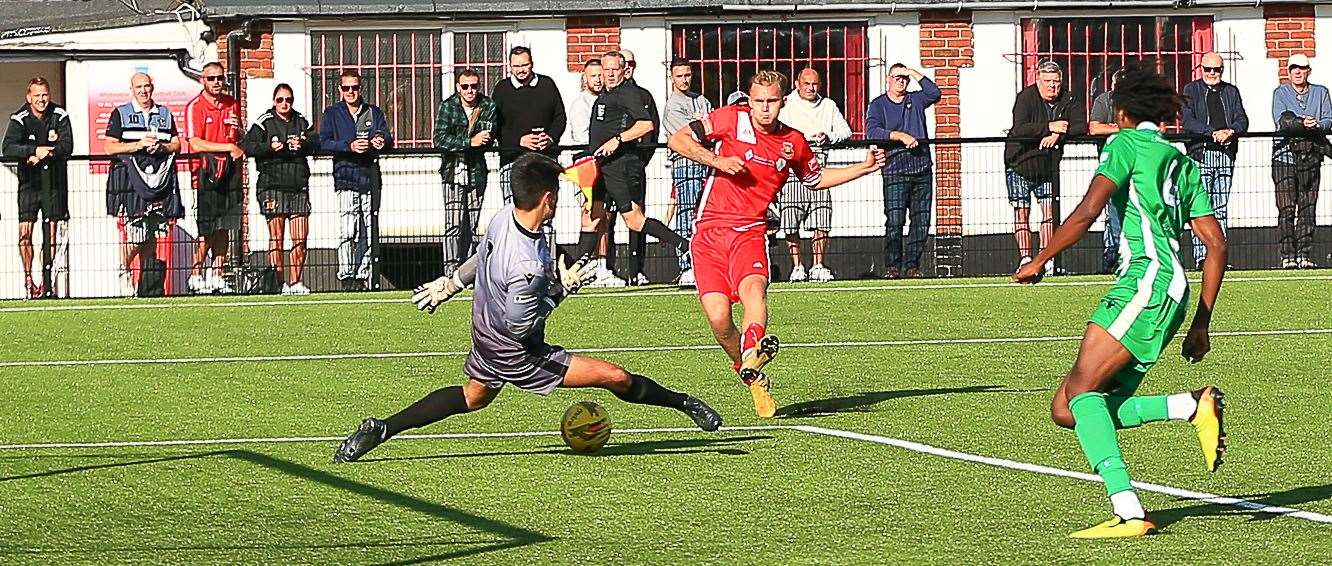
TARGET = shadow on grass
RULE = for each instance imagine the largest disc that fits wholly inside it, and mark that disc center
(1287, 498)
(655, 447)
(505, 536)
(863, 402)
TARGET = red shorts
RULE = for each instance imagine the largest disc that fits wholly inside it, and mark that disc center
(723, 257)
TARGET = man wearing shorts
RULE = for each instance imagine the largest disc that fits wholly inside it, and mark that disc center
(40, 136)
(213, 130)
(518, 285)
(755, 155)
(822, 123)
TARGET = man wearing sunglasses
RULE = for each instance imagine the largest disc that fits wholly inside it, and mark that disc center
(213, 130)
(356, 132)
(908, 178)
(1304, 109)
(464, 126)
(1213, 112)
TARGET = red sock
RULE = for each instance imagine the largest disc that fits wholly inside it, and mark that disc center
(736, 366)
(753, 332)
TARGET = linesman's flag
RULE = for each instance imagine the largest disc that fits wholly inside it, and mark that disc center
(583, 173)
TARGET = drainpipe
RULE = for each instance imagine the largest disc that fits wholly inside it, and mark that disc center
(244, 33)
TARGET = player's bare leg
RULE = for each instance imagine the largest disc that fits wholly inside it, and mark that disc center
(32, 290)
(757, 348)
(1022, 231)
(633, 388)
(439, 404)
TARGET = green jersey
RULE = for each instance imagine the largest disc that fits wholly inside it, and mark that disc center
(1159, 190)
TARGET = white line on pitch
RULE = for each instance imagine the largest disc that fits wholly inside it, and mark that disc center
(612, 350)
(297, 439)
(1049, 471)
(801, 288)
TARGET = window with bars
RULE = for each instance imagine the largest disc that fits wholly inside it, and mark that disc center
(401, 72)
(1091, 49)
(485, 52)
(726, 55)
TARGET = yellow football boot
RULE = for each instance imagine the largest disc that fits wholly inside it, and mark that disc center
(762, 353)
(1207, 421)
(1118, 528)
(764, 405)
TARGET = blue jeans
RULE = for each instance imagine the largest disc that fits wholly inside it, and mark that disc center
(688, 178)
(1113, 227)
(1217, 170)
(903, 196)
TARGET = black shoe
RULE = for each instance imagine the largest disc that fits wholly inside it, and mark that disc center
(703, 415)
(369, 435)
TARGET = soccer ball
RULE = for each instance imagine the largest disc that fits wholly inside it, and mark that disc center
(585, 427)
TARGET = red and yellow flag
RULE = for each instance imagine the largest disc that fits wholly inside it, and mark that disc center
(583, 173)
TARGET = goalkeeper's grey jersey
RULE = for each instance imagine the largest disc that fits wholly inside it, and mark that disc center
(512, 298)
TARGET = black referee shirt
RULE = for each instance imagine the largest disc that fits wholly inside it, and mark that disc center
(615, 111)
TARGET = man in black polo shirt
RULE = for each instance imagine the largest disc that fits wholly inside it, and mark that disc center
(620, 118)
(40, 136)
(531, 113)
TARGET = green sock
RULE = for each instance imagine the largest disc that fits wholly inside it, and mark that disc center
(1130, 412)
(1096, 434)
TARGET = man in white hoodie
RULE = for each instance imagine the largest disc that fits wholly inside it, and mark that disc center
(822, 123)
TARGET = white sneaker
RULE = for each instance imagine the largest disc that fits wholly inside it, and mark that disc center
(639, 280)
(286, 290)
(820, 273)
(1023, 262)
(219, 285)
(199, 286)
(297, 288)
(1305, 263)
(1049, 268)
(127, 288)
(687, 278)
(1288, 263)
(797, 274)
(607, 278)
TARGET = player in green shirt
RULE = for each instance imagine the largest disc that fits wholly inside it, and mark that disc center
(1156, 190)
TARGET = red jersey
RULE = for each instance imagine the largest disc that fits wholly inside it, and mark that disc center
(741, 201)
(218, 123)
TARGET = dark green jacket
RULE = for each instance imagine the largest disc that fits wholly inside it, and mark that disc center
(454, 137)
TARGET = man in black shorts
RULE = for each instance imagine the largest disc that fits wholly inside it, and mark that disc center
(39, 134)
(620, 118)
(518, 285)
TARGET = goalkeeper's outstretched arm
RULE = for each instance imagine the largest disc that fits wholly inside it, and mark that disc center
(428, 297)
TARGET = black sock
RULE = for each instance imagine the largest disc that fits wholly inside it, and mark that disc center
(664, 233)
(644, 391)
(637, 246)
(587, 243)
(434, 407)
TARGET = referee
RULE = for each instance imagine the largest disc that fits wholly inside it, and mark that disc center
(620, 118)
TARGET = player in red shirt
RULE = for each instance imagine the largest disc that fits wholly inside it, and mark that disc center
(213, 126)
(755, 154)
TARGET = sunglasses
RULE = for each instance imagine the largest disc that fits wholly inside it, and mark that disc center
(1300, 67)
(468, 86)
(350, 88)
(213, 78)
(1212, 69)
(284, 100)
(901, 78)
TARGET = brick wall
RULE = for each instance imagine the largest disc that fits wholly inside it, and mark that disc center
(1290, 30)
(946, 46)
(590, 36)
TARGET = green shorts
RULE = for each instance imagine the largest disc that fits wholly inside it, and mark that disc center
(1145, 330)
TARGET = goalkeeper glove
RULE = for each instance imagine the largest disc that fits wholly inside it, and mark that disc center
(429, 296)
(574, 276)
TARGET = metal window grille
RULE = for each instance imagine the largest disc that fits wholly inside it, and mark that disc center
(485, 52)
(725, 55)
(1091, 49)
(401, 72)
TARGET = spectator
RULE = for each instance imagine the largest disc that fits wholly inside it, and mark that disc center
(1304, 109)
(822, 124)
(646, 149)
(1045, 114)
(595, 218)
(464, 126)
(356, 132)
(1214, 112)
(682, 107)
(908, 177)
(1102, 122)
(531, 113)
(213, 130)
(620, 119)
(39, 134)
(280, 140)
(579, 115)
(141, 188)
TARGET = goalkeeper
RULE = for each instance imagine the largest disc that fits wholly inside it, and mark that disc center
(517, 287)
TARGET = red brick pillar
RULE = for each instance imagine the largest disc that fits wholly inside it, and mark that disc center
(589, 37)
(1290, 30)
(946, 46)
(256, 61)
